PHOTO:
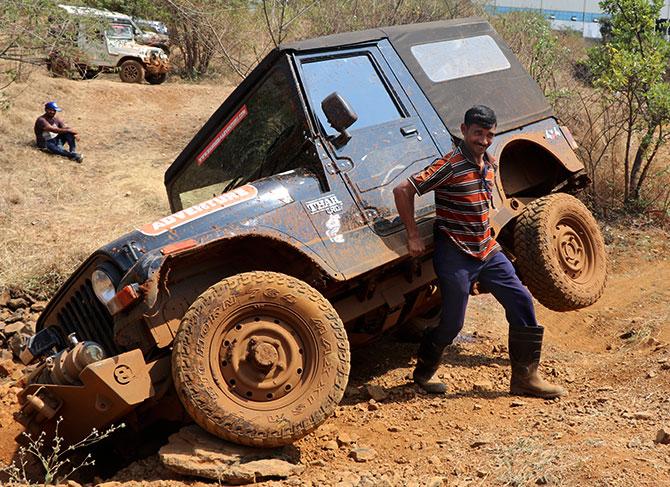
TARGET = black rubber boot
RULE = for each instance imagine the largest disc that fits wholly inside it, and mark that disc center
(525, 348)
(427, 362)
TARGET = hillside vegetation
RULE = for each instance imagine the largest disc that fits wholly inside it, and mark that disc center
(54, 212)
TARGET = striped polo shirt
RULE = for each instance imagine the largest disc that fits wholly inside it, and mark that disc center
(463, 194)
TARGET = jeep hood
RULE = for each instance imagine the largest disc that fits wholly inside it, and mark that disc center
(205, 221)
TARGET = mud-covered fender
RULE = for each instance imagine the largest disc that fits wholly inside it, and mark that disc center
(156, 267)
(550, 145)
(555, 143)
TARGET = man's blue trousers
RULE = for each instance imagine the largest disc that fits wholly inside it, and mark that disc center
(457, 271)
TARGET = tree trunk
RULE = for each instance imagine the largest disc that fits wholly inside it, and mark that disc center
(640, 155)
(645, 170)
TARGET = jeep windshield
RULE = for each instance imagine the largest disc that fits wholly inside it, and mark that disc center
(120, 31)
(251, 142)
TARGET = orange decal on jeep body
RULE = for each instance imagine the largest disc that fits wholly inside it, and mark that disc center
(238, 195)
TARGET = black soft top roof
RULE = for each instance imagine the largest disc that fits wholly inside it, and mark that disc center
(512, 93)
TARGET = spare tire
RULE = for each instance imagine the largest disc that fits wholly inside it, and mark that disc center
(560, 253)
(260, 359)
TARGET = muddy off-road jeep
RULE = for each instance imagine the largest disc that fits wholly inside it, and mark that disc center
(285, 246)
(109, 41)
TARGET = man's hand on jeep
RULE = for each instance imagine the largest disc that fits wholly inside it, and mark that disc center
(415, 246)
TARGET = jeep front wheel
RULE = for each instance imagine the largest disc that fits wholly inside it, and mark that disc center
(560, 252)
(260, 359)
(156, 79)
(131, 71)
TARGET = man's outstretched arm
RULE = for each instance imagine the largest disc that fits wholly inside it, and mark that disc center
(404, 202)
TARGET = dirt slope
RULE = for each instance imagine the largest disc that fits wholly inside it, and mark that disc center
(54, 212)
(614, 358)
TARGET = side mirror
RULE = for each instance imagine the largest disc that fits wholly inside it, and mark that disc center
(340, 116)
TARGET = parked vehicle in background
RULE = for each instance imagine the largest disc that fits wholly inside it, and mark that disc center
(285, 245)
(109, 41)
(152, 33)
(152, 25)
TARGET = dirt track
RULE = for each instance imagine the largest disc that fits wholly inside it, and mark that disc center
(601, 434)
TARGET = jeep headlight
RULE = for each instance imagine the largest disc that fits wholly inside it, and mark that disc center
(103, 286)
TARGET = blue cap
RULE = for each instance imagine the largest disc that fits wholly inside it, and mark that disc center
(52, 106)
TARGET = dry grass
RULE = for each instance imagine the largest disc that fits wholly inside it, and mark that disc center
(54, 212)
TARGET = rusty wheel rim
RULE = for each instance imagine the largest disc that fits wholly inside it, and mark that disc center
(131, 72)
(575, 249)
(262, 359)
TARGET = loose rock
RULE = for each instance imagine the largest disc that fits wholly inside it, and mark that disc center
(435, 460)
(343, 439)
(17, 303)
(14, 327)
(482, 386)
(363, 454)
(192, 451)
(663, 436)
(376, 392)
(330, 445)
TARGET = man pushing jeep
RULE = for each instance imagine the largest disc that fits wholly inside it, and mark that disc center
(466, 252)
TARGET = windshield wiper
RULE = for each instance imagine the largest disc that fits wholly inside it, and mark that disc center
(232, 184)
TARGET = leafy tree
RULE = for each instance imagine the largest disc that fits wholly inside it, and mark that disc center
(629, 70)
(26, 31)
(529, 35)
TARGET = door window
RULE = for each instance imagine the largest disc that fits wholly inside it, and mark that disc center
(460, 58)
(357, 80)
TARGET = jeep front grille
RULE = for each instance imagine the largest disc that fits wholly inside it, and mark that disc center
(85, 316)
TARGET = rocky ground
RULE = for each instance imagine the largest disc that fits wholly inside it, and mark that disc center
(612, 430)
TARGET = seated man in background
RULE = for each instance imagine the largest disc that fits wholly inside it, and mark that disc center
(51, 133)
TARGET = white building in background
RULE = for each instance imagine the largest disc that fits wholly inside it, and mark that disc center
(580, 15)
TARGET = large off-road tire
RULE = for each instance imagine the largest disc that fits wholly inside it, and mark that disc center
(260, 359)
(560, 252)
(156, 79)
(132, 71)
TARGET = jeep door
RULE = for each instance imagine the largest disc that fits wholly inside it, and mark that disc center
(388, 142)
(92, 43)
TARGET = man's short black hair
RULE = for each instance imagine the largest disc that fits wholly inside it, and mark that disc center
(481, 115)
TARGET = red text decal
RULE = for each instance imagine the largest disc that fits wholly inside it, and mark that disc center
(220, 137)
